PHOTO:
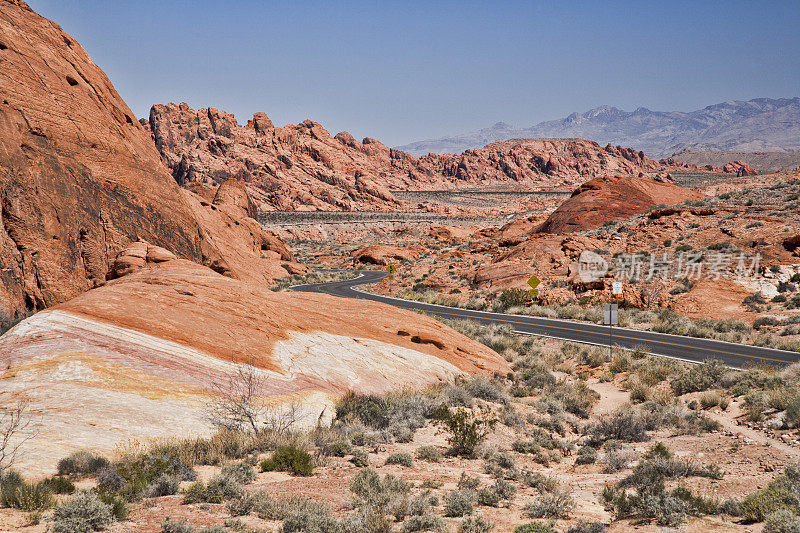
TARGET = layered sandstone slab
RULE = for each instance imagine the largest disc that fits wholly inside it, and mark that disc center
(133, 359)
(608, 199)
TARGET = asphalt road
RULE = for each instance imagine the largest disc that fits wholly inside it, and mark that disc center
(679, 347)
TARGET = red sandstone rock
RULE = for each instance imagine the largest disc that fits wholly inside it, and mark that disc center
(384, 254)
(80, 179)
(303, 167)
(612, 198)
(739, 168)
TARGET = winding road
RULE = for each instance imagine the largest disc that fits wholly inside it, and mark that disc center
(689, 349)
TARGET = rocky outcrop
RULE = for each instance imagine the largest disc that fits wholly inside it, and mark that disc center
(303, 167)
(135, 358)
(80, 178)
(607, 199)
(291, 167)
(739, 168)
(383, 254)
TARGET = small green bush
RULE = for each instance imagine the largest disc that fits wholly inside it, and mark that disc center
(402, 459)
(163, 485)
(780, 493)
(781, 521)
(339, 448)
(699, 378)
(360, 458)
(487, 497)
(555, 504)
(475, 524)
(536, 527)
(426, 522)
(60, 485)
(84, 512)
(467, 430)
(429, 453)
(242, 472)
(291, 459)
(81, 463)
(586, 455)
(459, 503)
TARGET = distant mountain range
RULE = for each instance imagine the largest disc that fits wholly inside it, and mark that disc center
(759, 125)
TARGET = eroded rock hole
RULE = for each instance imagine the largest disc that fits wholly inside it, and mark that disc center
(403, 333)
(72, 81)
(3, 46)
(128, 119)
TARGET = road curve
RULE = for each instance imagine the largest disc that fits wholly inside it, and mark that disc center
(689, 349)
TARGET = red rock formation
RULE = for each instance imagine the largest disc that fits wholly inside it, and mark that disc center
(304, 167)
(80, 178)
(739, 168)
(608, 199)
(383, 254)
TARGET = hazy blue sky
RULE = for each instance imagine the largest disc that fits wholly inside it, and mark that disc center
(405, 71)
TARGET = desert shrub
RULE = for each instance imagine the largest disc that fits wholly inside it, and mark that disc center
(653, 502)
(81, 463)
(59, 485)
(586, 455)
(376, 491)
(780, 493)
(338, 448)
(25, 496)
(475, 524)
(593, 357)
(370, 409)
(134, 473)
(487, 497)
(467, 482)
(536, 527)
(577, 397)
(781, 521)
(659, 463)
(710, 399)
(793, 412)
(487, 389)
(429, 453)
(731, 507)
(402, 459)
(504, 489)
(83, 512)
(219, 488)
(539, 481)
(163, 485)
(467, 430)
(620, 362)
(554, 504)
(426, 522)
(177, 526)
(459, 502)
(616, 458)
(699, 378)
(118, 504)
(755, 403)
(525, 446)
(290, 459)
(312, 518)
(242, 472)
(639, 391)
(624, 424)
(587, 527)
(360, 458)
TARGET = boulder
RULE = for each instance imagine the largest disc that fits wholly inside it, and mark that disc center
(607, 199)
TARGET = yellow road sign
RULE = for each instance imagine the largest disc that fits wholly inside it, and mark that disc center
(534, 282)
(391, 269)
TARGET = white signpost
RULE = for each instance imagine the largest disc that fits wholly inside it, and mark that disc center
(616, 288)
